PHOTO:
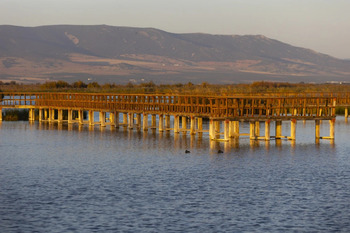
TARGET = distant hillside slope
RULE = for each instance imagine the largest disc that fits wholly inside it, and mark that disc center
(66, 51)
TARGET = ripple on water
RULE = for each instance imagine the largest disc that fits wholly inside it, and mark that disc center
(55, 180)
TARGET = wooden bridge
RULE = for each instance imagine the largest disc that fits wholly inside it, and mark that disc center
(229, 110)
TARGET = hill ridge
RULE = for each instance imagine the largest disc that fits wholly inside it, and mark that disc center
(70, 51)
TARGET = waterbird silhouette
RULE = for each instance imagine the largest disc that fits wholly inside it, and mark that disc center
(187, 151)
(220, 151)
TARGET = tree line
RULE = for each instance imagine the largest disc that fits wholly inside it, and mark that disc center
(203, 88)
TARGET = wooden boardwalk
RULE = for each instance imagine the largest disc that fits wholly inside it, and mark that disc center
(228, 110)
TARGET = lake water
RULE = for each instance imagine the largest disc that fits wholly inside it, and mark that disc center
(60, 178)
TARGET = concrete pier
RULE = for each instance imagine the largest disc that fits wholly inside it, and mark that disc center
(317, 129)
(199, 124)
(278, 129)
(125, 119)
(70, 116)
(193, 126)
(138, 121)
(257, 128)
(41, 115)
(331, 129)
(59, 115)
(176, 124)
(102, 118)
(184, 124)
(252, 130)
(145, 122)
(212, 130)
(153, 121)
(131, 120)
(81, 117)
(227, 130)
(293, 124)
(267, 130)
(167, 122)
(91, 118)
(161, 123)
(116, 119)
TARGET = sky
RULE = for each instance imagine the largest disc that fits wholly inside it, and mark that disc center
(320, 25)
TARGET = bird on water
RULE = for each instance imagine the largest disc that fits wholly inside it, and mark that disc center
(220, 151)
(187, 151)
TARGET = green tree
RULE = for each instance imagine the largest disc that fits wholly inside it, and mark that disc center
(79, 84)
(62, 84)
(93, 85)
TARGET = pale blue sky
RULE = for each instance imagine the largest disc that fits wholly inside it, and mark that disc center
(321, 25)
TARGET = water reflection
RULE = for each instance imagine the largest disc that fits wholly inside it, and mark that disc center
(267, 145)
(99, 176)
(278, 143)
(181, 141)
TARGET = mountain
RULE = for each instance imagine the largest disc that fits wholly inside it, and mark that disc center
(122, 54)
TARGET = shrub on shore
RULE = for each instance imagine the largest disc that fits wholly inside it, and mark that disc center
(15, 115)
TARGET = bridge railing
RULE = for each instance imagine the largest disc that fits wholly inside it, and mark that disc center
(206, 106)
(13, 99)
(273, 107)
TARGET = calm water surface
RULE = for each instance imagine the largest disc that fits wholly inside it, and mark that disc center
(77, 179)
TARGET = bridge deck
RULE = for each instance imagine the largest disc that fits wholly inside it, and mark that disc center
(215, 107)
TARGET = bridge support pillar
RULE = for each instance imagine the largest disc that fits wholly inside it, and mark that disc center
(102, 119)
(252, 130)
(257, 128)
(40, 114)
(153, 121)
(267, 130)
(51, 115)
(138, 121)
(231, 129)
(293, 125)
(45, 114)
(31, 114)
(161, 123)
(131, 120)
(125, 119)
(115, 116)
(331, 128)
(70, 116)
(212, 131)
(278, 129)
(226, 130)
(91, 117)
(193, 126)
(200, 124)
(81, 116)
(317, 129)
(167, 122)
(235, 129)
(59, 115)
(145, 122)
(346, 112)
(217, 126)
(184, 124)
(176, 124)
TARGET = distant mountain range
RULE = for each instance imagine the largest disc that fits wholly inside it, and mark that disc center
(123, 54)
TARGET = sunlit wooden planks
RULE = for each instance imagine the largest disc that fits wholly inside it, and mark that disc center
(240, 107)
